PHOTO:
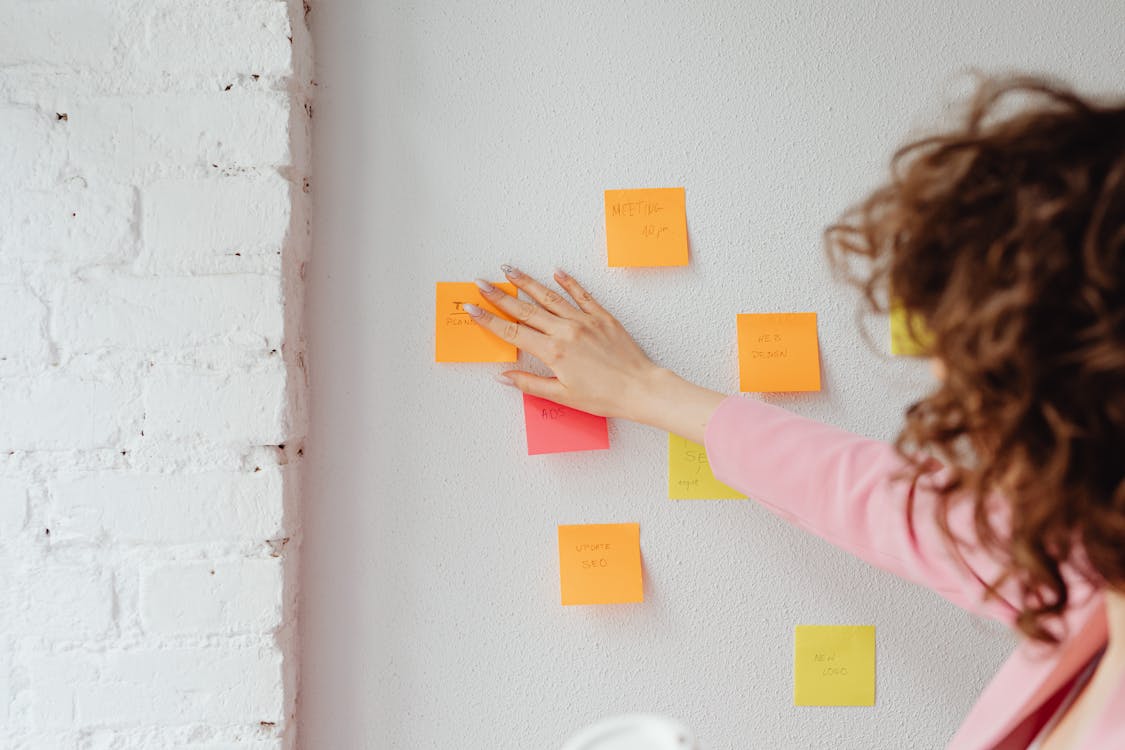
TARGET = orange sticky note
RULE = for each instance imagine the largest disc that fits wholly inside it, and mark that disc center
(554, 428)
(646, 227)
(600, 563)
(778, 352)
(458, 338)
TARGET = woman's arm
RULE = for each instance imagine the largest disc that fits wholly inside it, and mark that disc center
(842, 487)
(854, 492)
(598, 367)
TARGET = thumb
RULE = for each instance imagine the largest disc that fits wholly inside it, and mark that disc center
(535, 385)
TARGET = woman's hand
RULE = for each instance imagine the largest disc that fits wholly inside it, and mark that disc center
(598, 367)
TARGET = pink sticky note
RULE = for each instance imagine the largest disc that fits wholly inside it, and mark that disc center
(554, 428)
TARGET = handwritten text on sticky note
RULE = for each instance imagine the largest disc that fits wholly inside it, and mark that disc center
(457, 337)
(689, 473)
(834, 665)
(778, 352)
(554, 428)
(646, 227)
(600, 563)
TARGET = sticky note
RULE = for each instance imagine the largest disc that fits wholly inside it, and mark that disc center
(646, 227)
(554, 428)
(458, 338)
(909, 335)
(834, 665)
(778, 352)
(600, 563)
(689, 474)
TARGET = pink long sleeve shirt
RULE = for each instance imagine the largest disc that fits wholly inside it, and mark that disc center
(846, 489)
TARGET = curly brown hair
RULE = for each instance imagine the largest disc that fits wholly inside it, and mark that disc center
(1005, 240)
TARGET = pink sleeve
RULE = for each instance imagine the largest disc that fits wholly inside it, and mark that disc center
(843, 488)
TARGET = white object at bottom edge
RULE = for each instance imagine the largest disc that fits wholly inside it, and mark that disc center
(634, 732)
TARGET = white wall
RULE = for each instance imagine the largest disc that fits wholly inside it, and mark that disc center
(453, 137)
(152, 226)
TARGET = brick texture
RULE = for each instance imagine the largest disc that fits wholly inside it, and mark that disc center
(153, 224)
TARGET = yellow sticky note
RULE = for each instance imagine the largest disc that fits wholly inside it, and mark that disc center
(646, 227)
(834, 665)
(600, 563)
(909, 335)
(778, 352)
(689, 474)
(458, 338)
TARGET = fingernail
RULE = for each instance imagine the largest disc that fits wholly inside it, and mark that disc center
(505, 380)
(512, 271)
(472, 309)
(561, 274)
(484, 286)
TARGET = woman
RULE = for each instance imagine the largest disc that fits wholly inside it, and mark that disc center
(1005, 491)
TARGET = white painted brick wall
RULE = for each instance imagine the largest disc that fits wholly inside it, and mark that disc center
(230, 508)
(153, 228)
(228, 597)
